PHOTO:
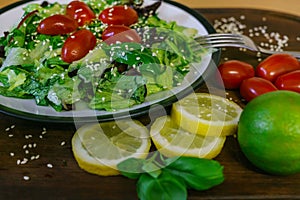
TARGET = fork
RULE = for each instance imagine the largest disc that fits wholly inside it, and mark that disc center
(217, 40)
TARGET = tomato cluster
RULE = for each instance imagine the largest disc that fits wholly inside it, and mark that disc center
(81, 41)
(276, 72)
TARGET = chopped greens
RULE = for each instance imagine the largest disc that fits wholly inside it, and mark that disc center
(109, 77)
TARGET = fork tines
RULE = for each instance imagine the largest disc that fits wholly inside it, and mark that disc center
(220, 40)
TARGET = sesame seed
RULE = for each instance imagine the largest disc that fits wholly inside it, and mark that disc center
(62, 143)
(12, 154)
(78, 10)
(49, 165)
(24, 161)
(26, 178)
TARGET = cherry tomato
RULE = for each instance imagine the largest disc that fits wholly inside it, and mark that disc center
(57, 25)
(119, 15)
(289, 81)
(255, 86)
(276, 65)
(233, 72)
(26, 17)
(120, 33)
(78, 45)
(81, 12)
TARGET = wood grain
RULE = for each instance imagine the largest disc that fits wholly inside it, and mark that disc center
(67, 181)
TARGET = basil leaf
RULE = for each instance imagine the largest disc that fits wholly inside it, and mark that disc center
(166, 187)
(198, 173)
(131, 167)
(152, 169)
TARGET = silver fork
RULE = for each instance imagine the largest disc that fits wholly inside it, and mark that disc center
(218, 40)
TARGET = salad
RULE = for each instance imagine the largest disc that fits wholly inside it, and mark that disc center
(108, 54)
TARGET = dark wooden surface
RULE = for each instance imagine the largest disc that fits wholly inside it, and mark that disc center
(65, 180)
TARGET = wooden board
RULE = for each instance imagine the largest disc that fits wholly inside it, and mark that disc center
(55, 174)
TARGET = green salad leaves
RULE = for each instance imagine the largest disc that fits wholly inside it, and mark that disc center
(110, 77)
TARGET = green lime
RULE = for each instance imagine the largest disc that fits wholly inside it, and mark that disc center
(269, 132)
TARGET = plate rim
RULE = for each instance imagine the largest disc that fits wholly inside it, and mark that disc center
(215, 59)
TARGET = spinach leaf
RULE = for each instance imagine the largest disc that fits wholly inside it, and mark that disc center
(137, 56)
(56, 62)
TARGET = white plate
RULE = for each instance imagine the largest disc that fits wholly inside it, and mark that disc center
(170, 11)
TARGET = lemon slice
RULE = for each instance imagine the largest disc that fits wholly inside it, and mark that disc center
(206, 114)
(98, 148)
(171, 140)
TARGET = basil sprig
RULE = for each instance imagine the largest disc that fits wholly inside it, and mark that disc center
(169, 178)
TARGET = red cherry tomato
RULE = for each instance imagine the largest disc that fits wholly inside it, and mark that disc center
(255, 86)
(78, 45)
(233, 72)
(81, 12)
(120, 33)
(289, 81)
(119, 15)
(57, 25)
(26, 17)
(276, 65)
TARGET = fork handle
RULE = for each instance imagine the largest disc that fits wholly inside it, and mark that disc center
(296, 54)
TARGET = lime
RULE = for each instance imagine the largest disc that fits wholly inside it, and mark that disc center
(171, 140)
(269, 132)
(99, 147)
(206, 114)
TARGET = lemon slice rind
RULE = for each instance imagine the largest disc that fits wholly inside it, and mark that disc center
(98, 153)
(172, 141)
(220, 115)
